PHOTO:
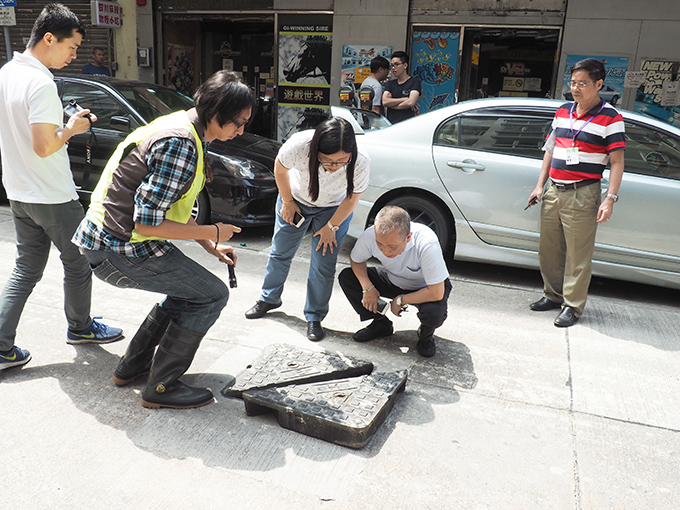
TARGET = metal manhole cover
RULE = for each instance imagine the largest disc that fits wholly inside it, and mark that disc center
(281, 365)
(346, 411)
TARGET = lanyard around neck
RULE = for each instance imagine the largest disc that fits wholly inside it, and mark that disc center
(571, 121)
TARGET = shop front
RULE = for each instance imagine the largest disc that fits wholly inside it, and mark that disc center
(458, 63)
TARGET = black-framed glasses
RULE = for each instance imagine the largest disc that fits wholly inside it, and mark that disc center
(334, 164)
(238, 125)
(396, 64)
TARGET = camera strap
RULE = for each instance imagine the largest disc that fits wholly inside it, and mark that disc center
(89, 146)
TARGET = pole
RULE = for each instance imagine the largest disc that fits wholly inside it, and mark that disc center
(8, 44)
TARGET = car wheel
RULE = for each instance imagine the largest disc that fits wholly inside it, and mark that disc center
(423, 211)
(200, 212)
(615, 100)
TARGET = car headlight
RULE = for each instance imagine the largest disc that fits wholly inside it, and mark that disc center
(246, 168)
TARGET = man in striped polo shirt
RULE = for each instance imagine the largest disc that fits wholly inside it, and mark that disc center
(585, 135)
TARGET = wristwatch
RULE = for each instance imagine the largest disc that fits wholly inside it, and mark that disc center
(614, 197)
(333, 228)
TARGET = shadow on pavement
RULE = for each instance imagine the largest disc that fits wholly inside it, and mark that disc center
(221, 434)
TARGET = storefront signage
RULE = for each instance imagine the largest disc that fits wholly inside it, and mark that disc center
(106, 14)
(304, 80)
(434, 59)
(356, 61)
(658, 95)
(616, 68)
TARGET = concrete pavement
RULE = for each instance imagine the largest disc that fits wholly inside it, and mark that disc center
(512, 413)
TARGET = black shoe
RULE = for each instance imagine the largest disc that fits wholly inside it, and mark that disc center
(566, 318)
(177, 395)
(314, 331)
(425, 345)
(259, 309)
(544, 304)
(376, 329)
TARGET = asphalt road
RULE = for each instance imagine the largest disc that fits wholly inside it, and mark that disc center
(511, 412)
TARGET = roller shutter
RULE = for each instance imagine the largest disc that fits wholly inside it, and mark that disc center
(27, 11)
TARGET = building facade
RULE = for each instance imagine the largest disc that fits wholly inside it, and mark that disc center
(298, 53)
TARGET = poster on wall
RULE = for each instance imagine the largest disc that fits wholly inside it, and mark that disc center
(180, 68)
(657, 96)
(356, 61)
(304, 79)
(434, 59)
(612, 90)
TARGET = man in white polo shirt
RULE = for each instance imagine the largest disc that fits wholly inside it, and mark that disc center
(413, 272)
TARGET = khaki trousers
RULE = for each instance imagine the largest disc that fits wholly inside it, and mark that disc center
(565, 250)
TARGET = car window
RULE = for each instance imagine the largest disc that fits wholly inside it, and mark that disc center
(505, 134)
(651, 152)
(152, 102)
(102, 104)
(368, 119)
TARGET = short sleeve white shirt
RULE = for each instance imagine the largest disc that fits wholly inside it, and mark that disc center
(28, 95)
(294, 155)
(377, 88)
(419, 265)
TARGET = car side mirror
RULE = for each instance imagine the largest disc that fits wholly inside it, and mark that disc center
(120, 123)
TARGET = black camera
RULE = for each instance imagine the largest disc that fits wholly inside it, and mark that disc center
(72, 108)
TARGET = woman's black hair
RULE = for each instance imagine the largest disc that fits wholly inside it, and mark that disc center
(331, 136)
(222, 97)
(58, 20)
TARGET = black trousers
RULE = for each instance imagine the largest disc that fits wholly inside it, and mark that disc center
(431, 315)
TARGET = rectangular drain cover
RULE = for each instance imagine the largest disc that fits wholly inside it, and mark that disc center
(281, 365)
(346, 411)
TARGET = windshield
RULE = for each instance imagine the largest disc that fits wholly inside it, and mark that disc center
(152, 102)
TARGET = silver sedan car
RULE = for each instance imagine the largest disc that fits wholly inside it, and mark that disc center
(467, 171)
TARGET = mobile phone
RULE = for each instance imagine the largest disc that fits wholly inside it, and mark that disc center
(383, 306)
(298, 219)
(533, 201)
(72, 108)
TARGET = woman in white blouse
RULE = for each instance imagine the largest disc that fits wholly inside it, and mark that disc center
(320, 175)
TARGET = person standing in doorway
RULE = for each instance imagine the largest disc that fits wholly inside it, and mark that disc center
(401, 95)
(97, 65)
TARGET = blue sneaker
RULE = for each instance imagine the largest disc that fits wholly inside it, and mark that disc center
(97, 333)
(16, 358)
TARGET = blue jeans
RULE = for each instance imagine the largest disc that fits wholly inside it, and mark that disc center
(37, 226)
(194, 296)
(286, 241)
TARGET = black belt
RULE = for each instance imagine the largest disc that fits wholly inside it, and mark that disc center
(574, 185)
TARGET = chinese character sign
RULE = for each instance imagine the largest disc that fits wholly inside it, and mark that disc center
(107, 14)
(305, 43)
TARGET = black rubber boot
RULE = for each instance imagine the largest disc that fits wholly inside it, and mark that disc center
(137, 358)
(173, 357)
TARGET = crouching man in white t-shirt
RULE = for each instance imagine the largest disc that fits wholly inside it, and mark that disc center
(413, 272)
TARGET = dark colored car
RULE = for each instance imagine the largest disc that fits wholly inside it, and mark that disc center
(243, 191)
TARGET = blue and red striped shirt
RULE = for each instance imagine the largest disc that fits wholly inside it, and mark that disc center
(596, 133)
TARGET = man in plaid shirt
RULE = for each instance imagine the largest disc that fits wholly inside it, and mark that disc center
(143, 199)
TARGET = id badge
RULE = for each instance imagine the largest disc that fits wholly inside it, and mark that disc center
(572, 156)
